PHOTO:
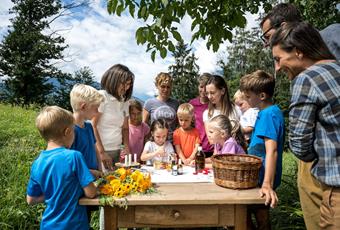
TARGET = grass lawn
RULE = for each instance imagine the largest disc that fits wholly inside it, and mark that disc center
(20, 143)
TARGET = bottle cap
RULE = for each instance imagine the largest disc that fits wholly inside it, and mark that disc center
(179, 161)
(199, 148)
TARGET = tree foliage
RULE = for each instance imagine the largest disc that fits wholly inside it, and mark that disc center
(63, 86)
(213, 20)
(184, 73)
(26, 53)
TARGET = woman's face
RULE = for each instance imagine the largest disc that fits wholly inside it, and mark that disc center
(201, 91)
(124, 87)
(164, 89)
(214, 94)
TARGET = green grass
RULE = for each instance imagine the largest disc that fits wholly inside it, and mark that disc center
(20, 143)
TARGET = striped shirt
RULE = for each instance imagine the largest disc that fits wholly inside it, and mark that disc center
(314, 120)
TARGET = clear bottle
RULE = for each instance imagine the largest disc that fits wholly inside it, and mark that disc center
(199, 160)
(180, 167)
(174, 169)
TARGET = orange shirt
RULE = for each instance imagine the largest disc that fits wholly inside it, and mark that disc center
(186, 140)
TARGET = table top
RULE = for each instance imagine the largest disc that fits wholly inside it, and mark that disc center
(190, 194)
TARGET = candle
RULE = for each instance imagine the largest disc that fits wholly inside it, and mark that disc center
(135, 158)
(125, 160)
(129, 159)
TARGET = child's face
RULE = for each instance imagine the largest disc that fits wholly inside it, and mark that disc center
(124, 87)
(214, 135)
(185, 121)
(201, 91)
(135, 116)
(90, 110)
(214, 94)
(242, 104)
(160, 136)
(253, 99)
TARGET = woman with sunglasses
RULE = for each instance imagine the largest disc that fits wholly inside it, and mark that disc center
(163, 106)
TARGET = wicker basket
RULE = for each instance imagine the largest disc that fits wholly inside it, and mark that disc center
(236, 171)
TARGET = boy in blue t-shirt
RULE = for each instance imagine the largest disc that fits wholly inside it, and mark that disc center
(59, 176)
(267, 139)
(85, 101)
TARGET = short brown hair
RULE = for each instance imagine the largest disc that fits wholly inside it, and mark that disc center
(133, 103)
(258, 82)
(114, 77)
(203, 78)
(163, 78)
(52, 122)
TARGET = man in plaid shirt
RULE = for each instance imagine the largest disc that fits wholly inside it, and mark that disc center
(314, 118)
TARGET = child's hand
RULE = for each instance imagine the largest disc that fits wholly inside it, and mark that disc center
(270, 194)
(107, 161)
(187, 161)
(96, 173)
(160, 152)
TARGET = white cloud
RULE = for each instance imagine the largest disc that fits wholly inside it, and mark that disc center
(99, 40)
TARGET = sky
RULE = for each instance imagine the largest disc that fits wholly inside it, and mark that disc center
(99, 40)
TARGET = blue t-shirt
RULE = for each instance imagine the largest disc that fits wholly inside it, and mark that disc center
(60, 175)
(269, 124)
(84, 142)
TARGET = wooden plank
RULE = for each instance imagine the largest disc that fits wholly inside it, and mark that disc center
(177, 215)
(226, 215)
(190, 193)
(240, 217)
(110, 218)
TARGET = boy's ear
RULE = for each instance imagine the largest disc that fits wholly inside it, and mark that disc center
(68, 130)
(83, 105)
(263, 96)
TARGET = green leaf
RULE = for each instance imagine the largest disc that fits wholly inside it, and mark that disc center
(153, 54)
(120, 9)
(132, 10)
(171, 46)
(176, 35)
(163, 52)
(111, 6)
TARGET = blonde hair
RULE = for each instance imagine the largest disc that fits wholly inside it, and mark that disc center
(203, 79)
(81, 93)
(239, 95)
(231, 127)
(52, 122)
(185, 109)
(163, 78)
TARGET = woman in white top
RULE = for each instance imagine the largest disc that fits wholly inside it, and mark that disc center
(219, 100)
(111, 126)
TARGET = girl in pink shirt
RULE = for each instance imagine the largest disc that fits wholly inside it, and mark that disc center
(138, 130)
(226, 137)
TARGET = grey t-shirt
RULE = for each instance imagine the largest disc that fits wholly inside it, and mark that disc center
(163, 109)
(331, 36)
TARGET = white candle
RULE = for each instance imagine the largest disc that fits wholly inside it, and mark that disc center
(129, 159)
(135, 157)
(125, 160)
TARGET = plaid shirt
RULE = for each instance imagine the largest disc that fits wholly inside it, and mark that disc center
(314, 120)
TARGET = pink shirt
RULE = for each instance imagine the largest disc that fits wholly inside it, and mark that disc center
(230, 146)
(136, 138)
(199, 124)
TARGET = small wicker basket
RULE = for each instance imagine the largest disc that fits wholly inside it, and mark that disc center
(236, 171)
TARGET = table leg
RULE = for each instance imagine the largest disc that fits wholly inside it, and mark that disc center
(110, 218)
(240, 217)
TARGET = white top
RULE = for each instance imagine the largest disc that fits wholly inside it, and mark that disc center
(248, 118)
(235, 115)
(111, 121)
(151, 146)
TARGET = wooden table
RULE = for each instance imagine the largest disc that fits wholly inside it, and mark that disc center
(182, 205)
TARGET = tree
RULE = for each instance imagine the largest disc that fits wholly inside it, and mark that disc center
(28, 53)
(212, 20)
(63, 86)
(184, 73)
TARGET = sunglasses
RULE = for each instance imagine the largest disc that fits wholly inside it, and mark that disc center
(265, 38)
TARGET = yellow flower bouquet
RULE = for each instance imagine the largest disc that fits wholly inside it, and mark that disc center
(121, 183)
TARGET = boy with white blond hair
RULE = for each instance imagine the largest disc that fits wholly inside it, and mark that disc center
(85, 101)
(59, 176)
(186, 137)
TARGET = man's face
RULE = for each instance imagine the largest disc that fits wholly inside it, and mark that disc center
(290, 63)
(267, 32)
